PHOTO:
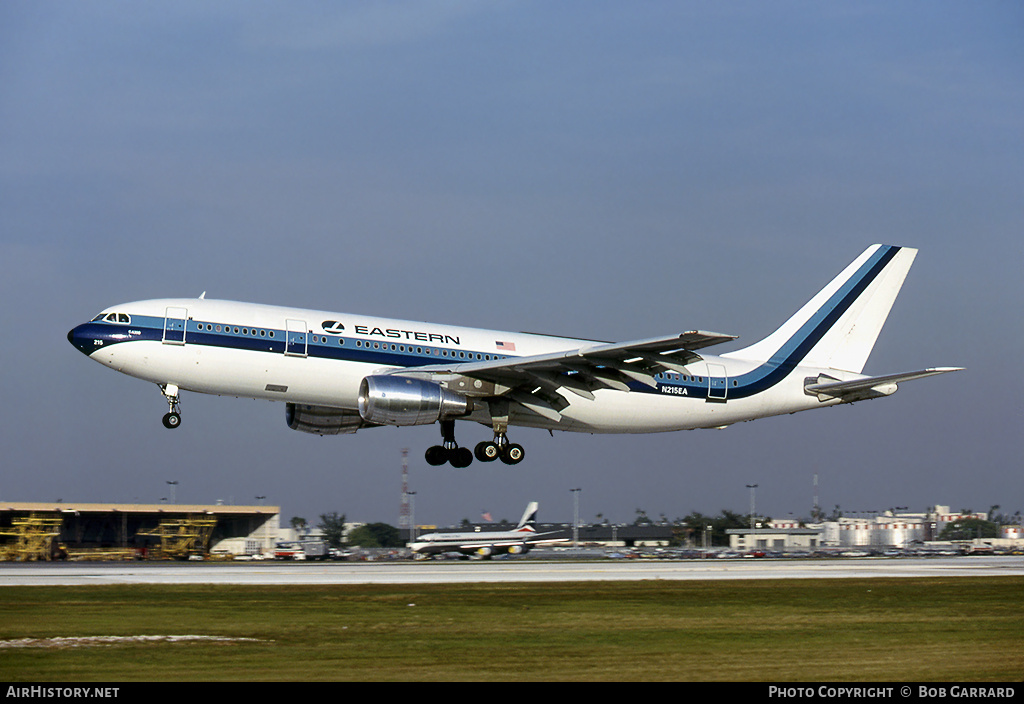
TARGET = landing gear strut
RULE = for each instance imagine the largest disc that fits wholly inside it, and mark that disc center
(172, 419)
(500, 447)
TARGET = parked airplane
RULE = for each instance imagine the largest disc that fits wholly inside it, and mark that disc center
(487, 543)
(338, 373)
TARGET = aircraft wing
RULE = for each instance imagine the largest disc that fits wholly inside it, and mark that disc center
(533, 381)
(827, 388)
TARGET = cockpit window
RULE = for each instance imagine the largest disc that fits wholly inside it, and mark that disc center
(113, 318)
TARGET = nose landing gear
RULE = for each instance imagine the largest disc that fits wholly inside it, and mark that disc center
(172, 419)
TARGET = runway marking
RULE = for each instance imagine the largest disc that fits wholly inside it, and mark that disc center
(348, 573)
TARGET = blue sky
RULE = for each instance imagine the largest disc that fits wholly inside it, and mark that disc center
(594, 169)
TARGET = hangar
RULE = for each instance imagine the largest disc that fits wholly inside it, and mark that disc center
(45, 531)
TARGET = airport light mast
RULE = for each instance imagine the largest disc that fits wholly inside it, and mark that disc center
(575, 516)
(753, 532)
(403, 512)
(412, 515)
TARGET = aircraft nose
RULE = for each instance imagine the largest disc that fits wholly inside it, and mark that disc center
(79, 340)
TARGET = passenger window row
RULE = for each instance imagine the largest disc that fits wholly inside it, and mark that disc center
(429, 351)
(323, 340)
(248, 332)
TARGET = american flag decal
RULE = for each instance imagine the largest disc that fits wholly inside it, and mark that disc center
(509, 346)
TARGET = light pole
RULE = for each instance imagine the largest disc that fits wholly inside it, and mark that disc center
(575, 516)
(412, 515)
(753, 533)
(173, 486)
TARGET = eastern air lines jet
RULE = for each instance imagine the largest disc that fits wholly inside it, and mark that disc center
(338, 373)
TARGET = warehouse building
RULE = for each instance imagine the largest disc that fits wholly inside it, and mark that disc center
(43, 531)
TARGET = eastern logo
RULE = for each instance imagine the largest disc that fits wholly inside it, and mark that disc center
(332, 327)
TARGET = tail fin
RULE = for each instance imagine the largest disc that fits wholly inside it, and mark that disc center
(838, 327)
(529, 518)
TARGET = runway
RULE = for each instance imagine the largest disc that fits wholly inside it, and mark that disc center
(498, 571)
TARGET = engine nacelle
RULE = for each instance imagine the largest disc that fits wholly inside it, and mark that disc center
(400, 400)
(320, 420)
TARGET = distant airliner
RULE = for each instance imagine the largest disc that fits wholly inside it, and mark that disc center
(485, 544)
(339, 373)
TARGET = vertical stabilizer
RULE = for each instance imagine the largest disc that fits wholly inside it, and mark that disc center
(529, 517)
(838, 327)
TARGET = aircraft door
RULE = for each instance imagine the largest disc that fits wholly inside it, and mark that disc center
(296, 338)
(718, 382)
(174, 326)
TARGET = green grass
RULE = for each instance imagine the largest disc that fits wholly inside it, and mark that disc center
(787, 630)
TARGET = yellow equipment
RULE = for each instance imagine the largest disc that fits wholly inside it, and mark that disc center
(181, 538)
(33, 538)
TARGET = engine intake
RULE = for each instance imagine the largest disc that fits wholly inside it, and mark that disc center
(399, 400)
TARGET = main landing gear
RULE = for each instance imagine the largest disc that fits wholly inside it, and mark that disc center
(499, 448)
(172, 419)
(459, 457)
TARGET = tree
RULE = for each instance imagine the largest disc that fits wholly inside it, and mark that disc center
(695, 524)
(333, 528)
(969, 529)
(376, 535)
(299, 525)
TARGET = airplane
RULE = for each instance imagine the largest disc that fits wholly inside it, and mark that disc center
(340, 373)
(485, 544)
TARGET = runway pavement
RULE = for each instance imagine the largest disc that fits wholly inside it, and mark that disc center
(514, 570)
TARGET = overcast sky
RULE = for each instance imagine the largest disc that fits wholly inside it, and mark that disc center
(605, 170)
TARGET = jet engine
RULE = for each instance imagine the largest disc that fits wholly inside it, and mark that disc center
(400, 400)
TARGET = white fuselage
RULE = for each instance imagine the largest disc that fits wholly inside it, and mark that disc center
(319, 358)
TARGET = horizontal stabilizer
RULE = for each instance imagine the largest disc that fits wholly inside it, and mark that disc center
(827, 388)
